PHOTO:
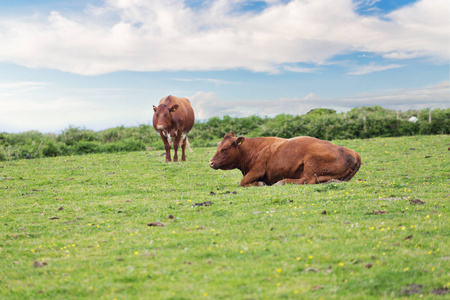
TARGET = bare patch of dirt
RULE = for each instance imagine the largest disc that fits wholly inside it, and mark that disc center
(206, 203)
(441, 291)
(376, 212)
(416, 202)
(392, 198)
(38, 264)
(156, 224)
(223, 193)
(311, 270)
(73, 221)
(409, 237)
(412, 289)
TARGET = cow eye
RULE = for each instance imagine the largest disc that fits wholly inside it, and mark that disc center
(224, 150)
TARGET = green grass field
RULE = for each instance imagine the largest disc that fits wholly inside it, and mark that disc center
(76, 227)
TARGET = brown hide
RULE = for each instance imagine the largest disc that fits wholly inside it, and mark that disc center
(301, 160)
(173, 119)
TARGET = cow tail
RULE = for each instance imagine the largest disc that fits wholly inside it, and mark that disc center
(188, 146)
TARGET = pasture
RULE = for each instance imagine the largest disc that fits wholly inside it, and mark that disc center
(77, 228)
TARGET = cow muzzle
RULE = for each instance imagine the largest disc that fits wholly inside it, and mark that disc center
(160, 127)
(211, 164)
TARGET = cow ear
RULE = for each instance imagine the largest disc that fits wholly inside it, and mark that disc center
(154, 108)
(240, 140)
(173, 108)
(231, 134)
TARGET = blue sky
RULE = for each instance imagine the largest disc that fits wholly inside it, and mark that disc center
(104, 63)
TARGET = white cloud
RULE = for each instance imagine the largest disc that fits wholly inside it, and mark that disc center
(22, 84)
(207, 105)
(22, 114)
(34, 106)
(21, 111)
(7, 89)
(365, 3)
(363, 70)
(300, 69)
(402, 55)
(58, 114)
(209, 80)
(168, 35)
(435, 96)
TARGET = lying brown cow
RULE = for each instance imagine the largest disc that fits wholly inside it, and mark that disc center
(173, 119)
(269, 160)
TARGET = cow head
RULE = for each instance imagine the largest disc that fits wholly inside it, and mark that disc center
(162, 117)
(227, 155)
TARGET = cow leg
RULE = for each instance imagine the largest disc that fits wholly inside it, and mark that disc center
(306, 178)
(346, 176)
(252, 178)
(316, 179)
(301, 180)
(166, 147)
(309, 177)
(176, 143)
(183, 147)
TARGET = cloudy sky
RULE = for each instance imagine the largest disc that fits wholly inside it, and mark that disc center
(104, 63)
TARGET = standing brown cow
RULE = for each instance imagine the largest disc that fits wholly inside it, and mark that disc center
(173, 119)
(269, 160)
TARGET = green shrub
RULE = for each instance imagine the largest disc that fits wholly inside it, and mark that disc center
(51, 149)
(127, 145)
(87, 147)
(327, 124)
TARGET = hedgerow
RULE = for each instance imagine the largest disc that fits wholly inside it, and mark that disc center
(327, 124)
